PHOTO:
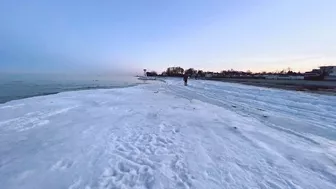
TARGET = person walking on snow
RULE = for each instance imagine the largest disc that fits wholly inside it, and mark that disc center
(185, 78)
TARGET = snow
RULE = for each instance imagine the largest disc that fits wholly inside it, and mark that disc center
(166, 135)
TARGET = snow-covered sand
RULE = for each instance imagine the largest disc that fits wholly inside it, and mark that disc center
(164, 135)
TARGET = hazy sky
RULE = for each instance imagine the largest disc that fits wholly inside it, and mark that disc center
(110, 35)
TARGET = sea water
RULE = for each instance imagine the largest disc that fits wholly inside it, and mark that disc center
(18, 86)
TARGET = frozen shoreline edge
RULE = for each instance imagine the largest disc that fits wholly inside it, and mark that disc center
(65, 91)
(81, 89)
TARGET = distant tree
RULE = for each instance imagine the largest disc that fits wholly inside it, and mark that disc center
(289, 69)
(174, 71)
(190, 71)
(179, 70)
(151, 74)
(291, 73)
(168, 72)
(200, 73)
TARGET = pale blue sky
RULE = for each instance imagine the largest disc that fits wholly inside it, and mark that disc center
(85, 35)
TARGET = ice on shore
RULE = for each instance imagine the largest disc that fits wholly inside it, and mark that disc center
(165, 135)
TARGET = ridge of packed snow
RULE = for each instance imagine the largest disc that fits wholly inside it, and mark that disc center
(165, 135)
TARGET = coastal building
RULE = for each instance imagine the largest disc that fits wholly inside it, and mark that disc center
(324, 73)
(330, 72)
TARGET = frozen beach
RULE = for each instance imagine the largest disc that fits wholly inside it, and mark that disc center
(210, 135)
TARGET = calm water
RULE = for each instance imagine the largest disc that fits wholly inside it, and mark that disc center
(18, 86)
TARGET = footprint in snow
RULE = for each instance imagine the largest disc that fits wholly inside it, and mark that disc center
(62, 165)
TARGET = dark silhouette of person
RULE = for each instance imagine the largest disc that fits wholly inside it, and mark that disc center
(185, 78)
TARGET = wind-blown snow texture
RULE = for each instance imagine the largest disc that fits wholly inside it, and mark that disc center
(165, 135)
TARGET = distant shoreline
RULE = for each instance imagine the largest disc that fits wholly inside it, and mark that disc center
(320, 87)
